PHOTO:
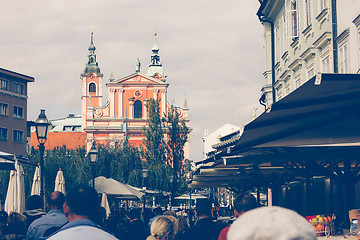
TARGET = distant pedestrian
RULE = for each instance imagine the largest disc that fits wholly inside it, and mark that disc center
(271, 223)
(136, 229)
(16, 229)
(242, 203)
(35, 209)
(204, 228)
(157, 212)
(81, 207)
(54, 219)
(162, 228)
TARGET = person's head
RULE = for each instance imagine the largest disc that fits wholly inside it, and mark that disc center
(162, 228)
(170, 213)
(101, 217)
(244, 202)
(183, 225)
(175, 222)
(271, 223)
(158, 211)
(82, 202)
(134, 214)
(3, 218)
(34, 202)
(56, 200)
(203, 208)
(17, 223)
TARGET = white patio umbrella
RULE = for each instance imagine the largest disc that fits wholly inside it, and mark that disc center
(105, 204)
(60, 182)
(35, 189)
(15, 197)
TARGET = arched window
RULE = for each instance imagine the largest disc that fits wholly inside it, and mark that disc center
(138, 109)
(92, 87)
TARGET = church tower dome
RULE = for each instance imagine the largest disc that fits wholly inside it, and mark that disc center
(155, 68)
(92, 65)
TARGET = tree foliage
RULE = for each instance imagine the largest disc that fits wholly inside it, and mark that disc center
(122, 163)
(154, 152)
(164, 159)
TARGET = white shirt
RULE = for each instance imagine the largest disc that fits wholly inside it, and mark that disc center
(82, 230)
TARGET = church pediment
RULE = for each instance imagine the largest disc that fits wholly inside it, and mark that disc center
(137, 79)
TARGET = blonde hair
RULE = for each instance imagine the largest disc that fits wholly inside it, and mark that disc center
(161, 226)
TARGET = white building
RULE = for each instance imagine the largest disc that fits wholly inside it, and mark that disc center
(213, 138)
(306, 37)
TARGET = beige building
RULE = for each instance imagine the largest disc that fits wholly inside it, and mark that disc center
(304, 38)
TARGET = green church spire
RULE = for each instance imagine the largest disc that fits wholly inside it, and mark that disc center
(92, 65)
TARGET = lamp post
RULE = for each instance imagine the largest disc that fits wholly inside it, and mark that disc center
(144, 175)
(42, 126)
(93, 153)
(171, 190)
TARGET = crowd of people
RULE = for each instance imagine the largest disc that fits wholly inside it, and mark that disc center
(80, 216)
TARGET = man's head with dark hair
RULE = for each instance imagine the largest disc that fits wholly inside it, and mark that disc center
(244, 202)
(82, 203)
(203, 208)
(56, 200)
(34, 202)
(158, 211)
(134, 214)
(3, 218)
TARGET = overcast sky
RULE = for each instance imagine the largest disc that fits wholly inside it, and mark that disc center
(211, 50)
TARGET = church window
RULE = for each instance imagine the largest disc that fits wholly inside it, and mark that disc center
(138, 109)
(92, 87)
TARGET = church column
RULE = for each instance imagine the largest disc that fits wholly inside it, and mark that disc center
(145, 108)
(131, 107)
(112, 102)
(120, 91)
(155, 93)
(163, 103)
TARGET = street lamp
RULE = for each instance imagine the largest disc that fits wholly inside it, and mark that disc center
(42, 127)
(144, 175)
(93, 154)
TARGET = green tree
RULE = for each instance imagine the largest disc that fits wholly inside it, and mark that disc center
(154, 152)
(177, 137)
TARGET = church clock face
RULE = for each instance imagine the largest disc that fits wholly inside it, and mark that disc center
(138, 79)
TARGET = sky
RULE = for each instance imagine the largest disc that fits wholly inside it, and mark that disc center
(212, 52)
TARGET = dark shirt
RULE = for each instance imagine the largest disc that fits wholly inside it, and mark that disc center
(137, 230)
(205, 228)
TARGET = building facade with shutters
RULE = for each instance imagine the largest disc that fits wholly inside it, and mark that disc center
(13, 111)
(304, 38)
(124, 115)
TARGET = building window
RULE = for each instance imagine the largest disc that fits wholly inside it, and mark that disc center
(19, 88)
(4, 109)
(92, 87)
(344, 58)
(285, 46)
(326, 65)
(18, 136)
(18, 112)
(4, 84)
(311, 73)
(3, 134)
(298, 82)
(138, 109)
(277, 44)
(308, 12)
(292, 18)
(323, 4)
